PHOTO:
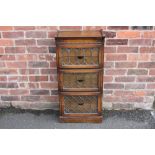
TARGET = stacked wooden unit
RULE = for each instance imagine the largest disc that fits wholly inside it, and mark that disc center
(80, 57)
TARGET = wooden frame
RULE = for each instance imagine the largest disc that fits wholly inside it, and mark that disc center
(73, 40)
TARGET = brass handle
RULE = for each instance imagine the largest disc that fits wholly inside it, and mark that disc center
(81, 103)
(80, 57)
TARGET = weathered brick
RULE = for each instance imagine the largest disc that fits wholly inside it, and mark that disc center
(138, 57)
(37, 49)
(52, 34)
(116, 41)
(17, 78)
(146, 79)
(49, 85)
(7, 57)
(107, 78)
(115, 72)
(38, 64)
(36, 34)
(10, 98)
(15, 50)
(39, 92)
(2, 64)
(152, 72)
(109, 49)
(118, 27)
(147, 49)
(134, 86)
(6, 42)
(28, 71)
(8, 71)
(146, 65)
(38, 78)
(113, 86)
(49, 98)
(149, 34)
(109, 34)
(140, 42)
(8, 85)
(127, 49)
(30, 98)
(128, 34)
(150, 86)
(137, 72)
(19, 92)
(141, 27)
(13, 34)
(1, 50)
(94, 27)
(116, 57)
(4, 92)
(6, 28)
(70, 27)
(24, 28)
(3, 78)
(46, 42)
(25, 42)
(125, 79)
(125, 64)
(48, 71)
(46, 28)
(16, 64)
(108, 64)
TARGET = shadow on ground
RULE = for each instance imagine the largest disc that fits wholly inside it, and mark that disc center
(48, 119)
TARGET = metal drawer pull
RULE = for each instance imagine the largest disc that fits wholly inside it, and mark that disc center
(80, 57)
(80, 80)
(81, 103)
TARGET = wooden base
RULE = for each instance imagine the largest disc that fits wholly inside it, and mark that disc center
(86, 119)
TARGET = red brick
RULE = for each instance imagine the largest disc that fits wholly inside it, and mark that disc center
(45, 57)
(113, 86)
(109, 34)
(16, 64)
(48, 71)
(15, 50)
(49, 98)
(109, 49)
(116, 57)
(5, 42)
(125, 64)
(36, 34)
(3, 78)
(149, 34)
(134, 86)
(8, 71)
(115, 72)
(28, 71)
(125, 79)
(116, 41)
(132, 99)
(108, 64)
(138, 42)
(49, 85)
(7, 57)
(25, 42)
(146, 65)
(152, 57)
(39, 92)
(19, 92)
(33, 85)
(26, 57)
(127, 49)
(46, 42)
(112, 99)
(128, 34)
(10, 98)
(151, 86)
(123, 93)
(6, 28)
(4, 92)
(107, 78)
(52, 34)
(24, 27)
(138, 57)
(118, 27)
(70, 27)
(18, 78)
(94, 27)
(152, 72)
(53, 77)
(8, 85)
(2, 64)
(30, 98)
(39, 64)
(47, 27)
(147, 49)
(38, 78)
(52, 64)
(146, 79)
(13, 34)
(137, 72)
(37, 49)
(1, 50)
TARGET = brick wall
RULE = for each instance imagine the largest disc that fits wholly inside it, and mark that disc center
(28, 76)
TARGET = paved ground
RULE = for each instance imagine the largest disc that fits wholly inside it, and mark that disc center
(17, 119)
